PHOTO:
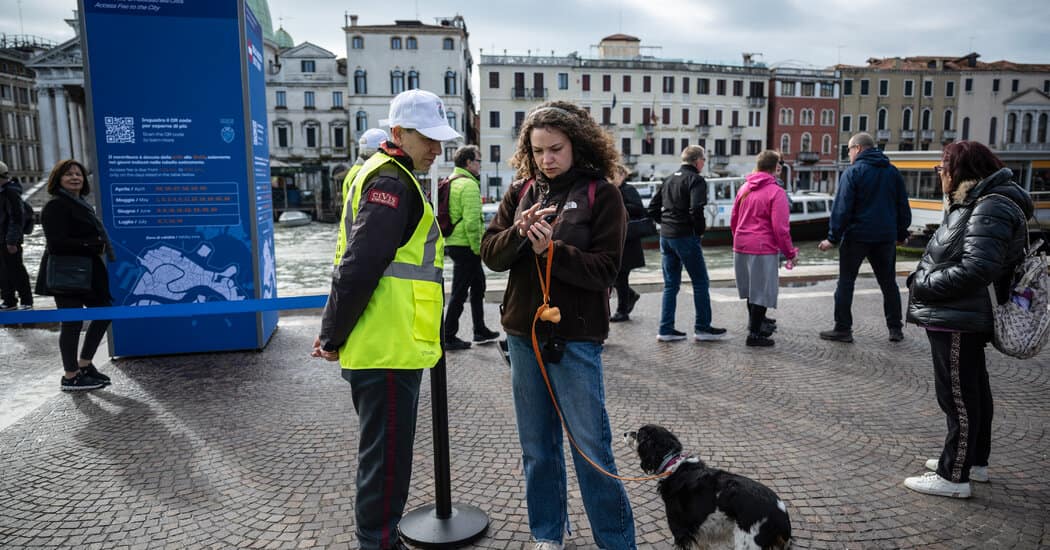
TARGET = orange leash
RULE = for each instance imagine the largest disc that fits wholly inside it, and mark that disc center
(548, 313)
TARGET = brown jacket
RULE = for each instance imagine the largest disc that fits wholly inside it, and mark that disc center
(588, 243)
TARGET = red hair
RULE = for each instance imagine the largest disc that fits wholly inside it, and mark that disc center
(969, 160)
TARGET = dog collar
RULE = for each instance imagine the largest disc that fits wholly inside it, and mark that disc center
(671, 463)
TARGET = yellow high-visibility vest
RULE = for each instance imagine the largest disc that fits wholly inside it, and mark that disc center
(401, 325)
(340, 245)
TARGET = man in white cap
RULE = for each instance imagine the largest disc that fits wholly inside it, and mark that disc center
(14, 279)
(382, 321)
(367, 146)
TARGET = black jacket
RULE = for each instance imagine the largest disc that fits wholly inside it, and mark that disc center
(70, 230)
(871, 202)
(978, 242)
(11, 213)
(678, 204)
(633, 257)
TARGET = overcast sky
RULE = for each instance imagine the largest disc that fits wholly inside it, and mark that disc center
(810, 32)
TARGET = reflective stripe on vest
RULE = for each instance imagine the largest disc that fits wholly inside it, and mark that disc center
(340, 245)
(400, 327)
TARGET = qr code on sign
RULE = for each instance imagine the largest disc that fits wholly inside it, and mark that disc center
(120, 129)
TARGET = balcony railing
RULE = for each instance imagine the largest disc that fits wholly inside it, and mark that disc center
(1027, 146)
(808, 157)
(756, 101)
(928, 135)
(630, 159)
(882, 135)
(704, 129)
(948, 135)
(736, 131)
(528, 93)
(907, 134)
(719, 160)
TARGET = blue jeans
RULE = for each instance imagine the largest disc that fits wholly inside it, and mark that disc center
(579, 385)
(883, 260)
(678, 252)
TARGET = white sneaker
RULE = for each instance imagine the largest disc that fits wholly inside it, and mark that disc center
(548, 546)
(932, 484)
(977, 473)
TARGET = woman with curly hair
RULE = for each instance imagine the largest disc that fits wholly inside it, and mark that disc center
(561, 196)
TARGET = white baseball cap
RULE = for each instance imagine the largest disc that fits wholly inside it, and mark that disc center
(421, 111)
(3, 168)
(372, 138)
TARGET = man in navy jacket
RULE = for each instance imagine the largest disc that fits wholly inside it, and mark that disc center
(869, 217)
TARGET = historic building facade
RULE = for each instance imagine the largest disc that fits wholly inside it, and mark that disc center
(19, 122)
(803, 125)
(652, 107)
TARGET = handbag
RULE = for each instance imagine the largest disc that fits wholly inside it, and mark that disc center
(641, 228)
(1022, 322)
(68, 274)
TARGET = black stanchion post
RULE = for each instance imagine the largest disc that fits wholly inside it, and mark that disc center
(442, 524)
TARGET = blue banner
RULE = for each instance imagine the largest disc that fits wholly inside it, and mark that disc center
(179, 137)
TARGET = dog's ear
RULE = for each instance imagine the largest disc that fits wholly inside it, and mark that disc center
(649, 450)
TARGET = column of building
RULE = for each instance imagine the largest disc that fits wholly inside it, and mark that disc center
(47, 128)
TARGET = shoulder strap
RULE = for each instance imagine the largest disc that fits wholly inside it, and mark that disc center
(524, 189)
(590, 192)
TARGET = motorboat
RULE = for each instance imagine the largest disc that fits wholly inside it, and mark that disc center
(293, 218)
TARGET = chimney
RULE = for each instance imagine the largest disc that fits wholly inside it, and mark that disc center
(353, 20)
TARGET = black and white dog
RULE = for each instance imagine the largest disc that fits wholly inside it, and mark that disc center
(707, 507)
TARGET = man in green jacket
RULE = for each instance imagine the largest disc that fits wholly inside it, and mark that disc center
(464, 248)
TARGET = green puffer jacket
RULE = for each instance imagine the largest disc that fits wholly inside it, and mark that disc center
(464, 208)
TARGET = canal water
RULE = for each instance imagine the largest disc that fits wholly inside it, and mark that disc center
(304, 258)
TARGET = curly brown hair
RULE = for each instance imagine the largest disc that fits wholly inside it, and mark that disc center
(592, 147)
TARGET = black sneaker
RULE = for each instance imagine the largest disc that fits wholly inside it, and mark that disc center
(92, 372)
(837, 335)
(485, 336)
(619, 317)
(896, 335)
(673, 336)
(455, 344)
(25, 307)
(628, 306)
(759, 340)
(710, 333)
(80, 382)
(769, 326)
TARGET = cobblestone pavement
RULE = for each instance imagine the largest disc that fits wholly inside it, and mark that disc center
(258, 449)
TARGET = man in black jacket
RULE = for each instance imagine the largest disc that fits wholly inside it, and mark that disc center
(678, 206)
(14, 280)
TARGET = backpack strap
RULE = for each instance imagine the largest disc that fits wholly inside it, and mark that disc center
(524, 189)
(591, 187)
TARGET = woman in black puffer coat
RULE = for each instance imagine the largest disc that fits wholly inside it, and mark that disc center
(981, 239)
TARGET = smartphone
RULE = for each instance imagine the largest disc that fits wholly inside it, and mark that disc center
(549, 218)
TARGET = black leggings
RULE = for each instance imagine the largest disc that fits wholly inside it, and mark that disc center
(756, 315)
(69, 334)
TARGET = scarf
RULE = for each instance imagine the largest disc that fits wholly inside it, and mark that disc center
(79, 201)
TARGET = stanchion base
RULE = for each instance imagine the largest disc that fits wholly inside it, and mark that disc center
(423, 528)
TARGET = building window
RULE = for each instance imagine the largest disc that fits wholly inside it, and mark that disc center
(308, 100)
(734, 147)
(995, 85)
(448, 44)
(307, 66)
(847, 87)
(361, 121)
(720, 87)
(410, 43)
(360, 82)
(625, 146)
(337, 100)
(606, 83)
(494, 153)
(949, 88)
(992, 131)
(413, 79)
(806, 143)
(626, 82)
(718, 117)
(685, 117)
(884, 88)
(825, 145)
(966, 128)
(282, 99)
(909, 88)
(311, 135)
(668, 84)
(808, 89)
(720, 147)
(927, 88)
(606, 115)
(451, 117)
(1015, 85)
(968, 85)
(1041, 131)
(397, 82)
(1011, 128)
(357, 43)
(647, 145)
(862, 123)
(787, 116)
(703, 86)
(647, 84)
(1026, 128)
(754, 146)
(585, 83)
(493, 119)
(948, 122)
(395, 43)
(827, 89)
(626, 115)
(882, 119)
(906, 119)
(339, 137)
(685, 88)
(806, 117)
(787, 89)
(493, 80)
(665, 117)
(704, 118)
(785, 144)
(738, 88)
(563, 81)
(667, 146)
(450, 83)
(924, 119)
(827, 117)
(282, 135)
(864, 86)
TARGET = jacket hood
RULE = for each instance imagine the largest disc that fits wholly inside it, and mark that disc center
(873, 157)
(1001, 183)
(13, 185)
(760, 179)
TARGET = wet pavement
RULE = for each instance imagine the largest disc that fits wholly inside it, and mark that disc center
(257, 449)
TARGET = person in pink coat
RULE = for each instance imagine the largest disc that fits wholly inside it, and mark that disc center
(761, 233)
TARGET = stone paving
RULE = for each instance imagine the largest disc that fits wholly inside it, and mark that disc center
(257, 450)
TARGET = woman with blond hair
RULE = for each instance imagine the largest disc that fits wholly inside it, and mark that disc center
(561, 199)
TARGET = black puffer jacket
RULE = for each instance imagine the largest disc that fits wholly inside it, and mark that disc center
(978, 242)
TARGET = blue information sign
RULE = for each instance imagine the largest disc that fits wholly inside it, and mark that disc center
(176, 95)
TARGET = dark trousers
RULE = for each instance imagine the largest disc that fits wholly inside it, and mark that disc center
(961, 379)
(883, 260)
(69, 331)
(386, 401)
(14, 278)
(467, 278)
(624, 293)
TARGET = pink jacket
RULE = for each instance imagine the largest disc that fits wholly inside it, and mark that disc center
(759, 222)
